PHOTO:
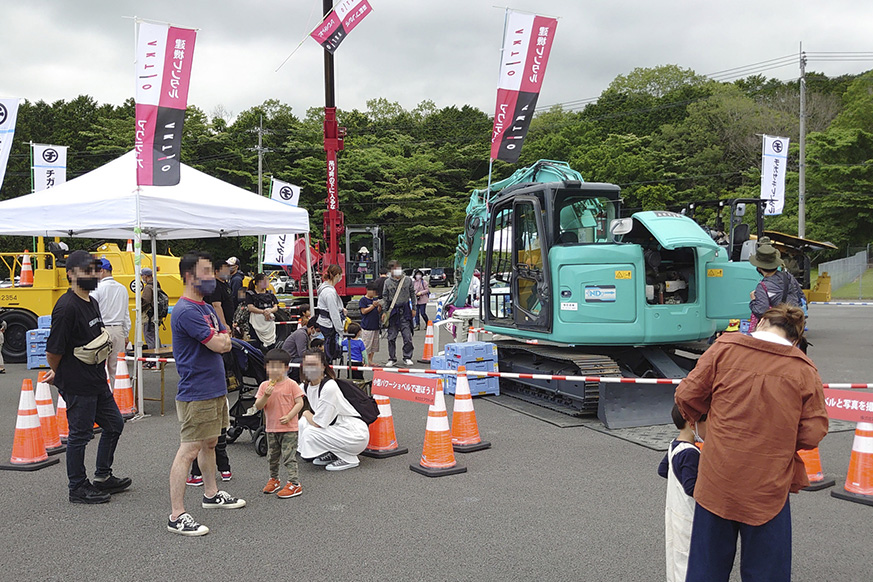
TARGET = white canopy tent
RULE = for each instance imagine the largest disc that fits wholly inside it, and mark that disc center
(106, 203)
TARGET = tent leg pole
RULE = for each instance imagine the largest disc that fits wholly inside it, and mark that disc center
(155, 289)
(137, 266)
(309, 276)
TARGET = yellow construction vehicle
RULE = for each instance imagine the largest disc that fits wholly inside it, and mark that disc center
(21, 304)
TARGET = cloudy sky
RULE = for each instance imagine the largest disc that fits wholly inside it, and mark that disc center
(411, 50)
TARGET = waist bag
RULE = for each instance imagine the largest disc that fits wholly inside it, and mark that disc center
(95, 351)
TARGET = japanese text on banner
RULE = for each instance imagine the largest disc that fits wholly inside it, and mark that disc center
(406, 387)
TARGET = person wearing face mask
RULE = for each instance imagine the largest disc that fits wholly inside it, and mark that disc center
(262, 307)
(764, 401)
(332, 434)
(114, 305)
(77, 361)
(330, 311)
(199, 339)
(399, 292)
(422, 296)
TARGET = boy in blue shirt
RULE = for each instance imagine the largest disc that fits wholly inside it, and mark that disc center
(371, 311)
(679, 467)
(356, 349)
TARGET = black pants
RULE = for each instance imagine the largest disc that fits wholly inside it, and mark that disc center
(765, 554)
(331, 348)
(82, 413)
(221, 460)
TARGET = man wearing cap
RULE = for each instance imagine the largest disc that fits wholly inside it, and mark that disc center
(77, 369)
(776, 287)
(237, 290)
(148, 298)
(114, 305)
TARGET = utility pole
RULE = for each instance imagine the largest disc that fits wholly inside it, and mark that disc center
(333, 142)
(261, 149)
(801, 195)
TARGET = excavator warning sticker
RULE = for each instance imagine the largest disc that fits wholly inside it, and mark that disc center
(715, 272)
(624, 274)
(600, 294)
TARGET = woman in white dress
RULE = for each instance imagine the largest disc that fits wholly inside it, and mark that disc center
(332, 434)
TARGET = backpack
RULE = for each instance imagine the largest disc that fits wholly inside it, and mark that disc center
(163, 306)
(364, 404)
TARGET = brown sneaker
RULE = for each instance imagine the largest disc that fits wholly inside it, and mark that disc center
(272, 485)
(290, 490)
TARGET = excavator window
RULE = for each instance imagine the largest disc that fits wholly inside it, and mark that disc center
(529, 262)
(584, 219)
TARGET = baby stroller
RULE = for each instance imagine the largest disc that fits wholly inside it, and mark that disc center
(244, 368)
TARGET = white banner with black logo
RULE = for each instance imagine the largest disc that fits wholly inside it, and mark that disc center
(8, 115)
(279, 248)
(774, 161)
(49, 166)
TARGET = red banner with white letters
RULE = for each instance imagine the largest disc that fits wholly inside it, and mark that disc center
(526, 48)
(164, 55)
(850, 405)
(345, 16)
(406, 386)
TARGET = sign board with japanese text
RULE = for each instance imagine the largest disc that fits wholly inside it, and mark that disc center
(851, 405)
(164, 55)
(774, 161)
(406, 387)
(49, 166)
(8, 116)
(279, 248)
(526, 47)
(345, 16)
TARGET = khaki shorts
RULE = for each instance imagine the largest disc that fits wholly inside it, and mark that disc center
(202, 419)
(371, 341)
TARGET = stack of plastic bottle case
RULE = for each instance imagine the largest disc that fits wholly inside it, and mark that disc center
(475, 356)
(36, 340)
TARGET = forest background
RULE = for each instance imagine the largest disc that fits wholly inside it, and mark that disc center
(666, 135)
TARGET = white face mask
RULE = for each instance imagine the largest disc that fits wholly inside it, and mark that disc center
(418, 277)
(397, 272)
(311, 372)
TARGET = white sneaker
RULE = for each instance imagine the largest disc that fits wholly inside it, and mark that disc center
(186, 526)
(408, 362)
(390, 364)
(340, 465)
(222, 500)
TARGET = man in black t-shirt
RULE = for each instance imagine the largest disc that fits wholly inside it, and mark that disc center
(222, 298)
(76, 322)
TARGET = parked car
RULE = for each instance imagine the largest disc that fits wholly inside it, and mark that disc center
(440, 277)
(284, 284)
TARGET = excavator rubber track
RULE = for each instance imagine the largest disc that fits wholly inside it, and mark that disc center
(574, 398)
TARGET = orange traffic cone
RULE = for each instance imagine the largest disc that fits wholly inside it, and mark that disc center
(383, 442)
(817, 479)
(465, 430)
(428, 345)
(63, 427)
(471, 335)
(129, 248)
(437, 457)
(859, 481)
(123, 392)
(28, 449)
(47, 419)
(26, 278)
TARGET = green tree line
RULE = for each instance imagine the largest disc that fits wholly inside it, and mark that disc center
(666, 135)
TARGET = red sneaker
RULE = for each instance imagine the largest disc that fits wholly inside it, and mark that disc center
(226, 475)
(290, 490)
(272, 485)
(194, 481)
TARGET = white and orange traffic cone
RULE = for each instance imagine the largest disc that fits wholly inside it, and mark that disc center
(383, 441)
(859, 481)
(63, 427)
(465, 430)
(428, 345)
(47, 419)
(123, 392)
(28, 448)
(817, 479)
(471, 335)
(129, 248)
(437, 456)
(26, 278)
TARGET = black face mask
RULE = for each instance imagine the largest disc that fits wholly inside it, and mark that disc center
(87, 283)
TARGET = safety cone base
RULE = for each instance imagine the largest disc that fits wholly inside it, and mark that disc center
(854, 497)
(56, 450)
(442, 472)
(826, 482)
(374, 454)
(480, 446)
(424, 361)
(28, 466)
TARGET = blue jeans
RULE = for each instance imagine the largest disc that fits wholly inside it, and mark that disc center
(765, 554)
(421, 313)
(82, 413)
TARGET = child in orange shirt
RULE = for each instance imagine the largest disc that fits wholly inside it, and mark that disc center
(281, 398)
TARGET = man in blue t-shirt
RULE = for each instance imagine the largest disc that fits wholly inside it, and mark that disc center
(199, 339)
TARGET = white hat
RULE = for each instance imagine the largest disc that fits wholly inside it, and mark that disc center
(232, 261)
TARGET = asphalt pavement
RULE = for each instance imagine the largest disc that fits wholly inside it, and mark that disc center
(544, 503)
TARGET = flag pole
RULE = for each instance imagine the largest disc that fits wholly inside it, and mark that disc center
(499, 62)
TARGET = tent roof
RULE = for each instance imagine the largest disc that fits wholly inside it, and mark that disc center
(102, 204)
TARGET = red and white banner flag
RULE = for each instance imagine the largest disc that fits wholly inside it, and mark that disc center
(526, 48)
(164, 55)
(339, 23)
(49, 166)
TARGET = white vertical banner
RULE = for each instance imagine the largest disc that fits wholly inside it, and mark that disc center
(774, 161)
(49, 166)
(279, 248)
(8, 116)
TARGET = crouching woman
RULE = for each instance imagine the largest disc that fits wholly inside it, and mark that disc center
(332, 434)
